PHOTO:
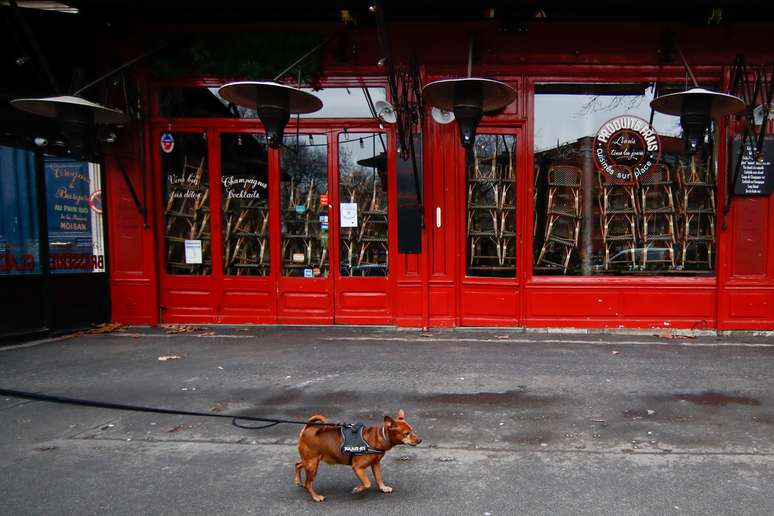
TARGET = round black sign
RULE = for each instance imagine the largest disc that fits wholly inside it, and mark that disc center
(626, 148)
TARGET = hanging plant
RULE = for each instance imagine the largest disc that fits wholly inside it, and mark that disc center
(256, 56)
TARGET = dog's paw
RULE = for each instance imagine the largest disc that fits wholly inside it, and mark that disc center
(385, 489)
(359, 489)
(318, 498)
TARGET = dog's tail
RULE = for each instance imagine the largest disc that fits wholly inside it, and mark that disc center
(310, 424)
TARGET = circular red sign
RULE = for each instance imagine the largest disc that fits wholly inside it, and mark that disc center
(626, 149)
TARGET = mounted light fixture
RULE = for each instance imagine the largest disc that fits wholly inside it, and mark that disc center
(696, 107)
(442, 116)
(78, 117)
(469, 99)
(385, 111)
(273, 102)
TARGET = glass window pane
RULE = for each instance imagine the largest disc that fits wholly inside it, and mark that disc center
(19, 237)
(615, 194)
(304, 203)
(363, 204)
(244, 178)
(206, 103)
(74, 211)
(186, 208)
(491, 206)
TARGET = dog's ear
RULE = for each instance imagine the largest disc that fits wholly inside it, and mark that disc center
(401, 415)
(388, 421)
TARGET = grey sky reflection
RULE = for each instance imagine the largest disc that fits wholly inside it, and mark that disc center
(565, 118)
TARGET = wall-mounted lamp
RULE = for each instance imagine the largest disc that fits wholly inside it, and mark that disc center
(273, 102)
(696, 107)
(385, 111)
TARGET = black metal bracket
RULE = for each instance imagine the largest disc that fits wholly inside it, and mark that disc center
(753, 89)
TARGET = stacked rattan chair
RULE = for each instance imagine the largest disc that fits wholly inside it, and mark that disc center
(618, 220)
(491, 209)
(657, 216)
(563, 217)
(697, 212)
(187, 217)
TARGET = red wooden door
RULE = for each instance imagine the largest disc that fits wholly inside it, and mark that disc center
(184, 178)
(303, 169)
(364, 226)
(489, 199)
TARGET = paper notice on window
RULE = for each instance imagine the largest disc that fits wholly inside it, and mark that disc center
(348, 211)
(193, 251)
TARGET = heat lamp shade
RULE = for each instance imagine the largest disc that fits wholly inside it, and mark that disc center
(254, 94)
(445, 94)
(70, 109)
(720, 104)
(378, 162)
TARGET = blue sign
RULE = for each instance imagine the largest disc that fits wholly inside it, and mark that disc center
(69, 205)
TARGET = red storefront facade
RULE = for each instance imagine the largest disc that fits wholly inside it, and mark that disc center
(440, 286)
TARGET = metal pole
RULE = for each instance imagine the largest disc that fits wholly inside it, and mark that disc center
(687, 66)
(300, 59)
(470, 56)
(115, 71)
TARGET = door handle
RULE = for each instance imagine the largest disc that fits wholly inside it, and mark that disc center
(438, 216)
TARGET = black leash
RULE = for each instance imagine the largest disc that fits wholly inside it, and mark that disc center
(137, 408)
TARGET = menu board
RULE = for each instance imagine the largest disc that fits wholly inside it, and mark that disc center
(755, 177)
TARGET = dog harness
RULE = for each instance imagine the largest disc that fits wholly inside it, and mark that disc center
(353, 443)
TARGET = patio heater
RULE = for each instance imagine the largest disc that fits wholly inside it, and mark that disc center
(469, 99)
(273, 102)
(696, 107)
(77, 117)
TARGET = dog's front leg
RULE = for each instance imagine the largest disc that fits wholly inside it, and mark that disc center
(360, 473)
(376, 468)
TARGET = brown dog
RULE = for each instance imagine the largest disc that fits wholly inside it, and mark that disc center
(319, 442)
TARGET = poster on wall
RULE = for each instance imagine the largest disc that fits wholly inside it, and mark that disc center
(74, 211)
(755, 177)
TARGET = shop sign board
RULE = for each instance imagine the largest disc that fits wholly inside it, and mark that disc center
(755, 177)
(626, 148)
(74, 208)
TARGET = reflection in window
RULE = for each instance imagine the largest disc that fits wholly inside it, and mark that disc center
(304, 203)
(659, 220)
(491, 206)
(244, 178)
(74, 206)
(19, 238)
(205, 102)
(363, 204)
(186, 205)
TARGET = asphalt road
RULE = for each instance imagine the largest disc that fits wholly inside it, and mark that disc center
(512, 423)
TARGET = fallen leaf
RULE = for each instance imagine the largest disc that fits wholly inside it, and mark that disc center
(103, 328)
(501, 337)
(207, 334)
(164, 358)
(615, 352)
(425, 334)
(182, 328)
(174, 429)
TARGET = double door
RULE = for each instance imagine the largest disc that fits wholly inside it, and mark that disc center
(249, 234)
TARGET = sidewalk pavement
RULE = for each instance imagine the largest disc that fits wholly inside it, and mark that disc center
(512, 423)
